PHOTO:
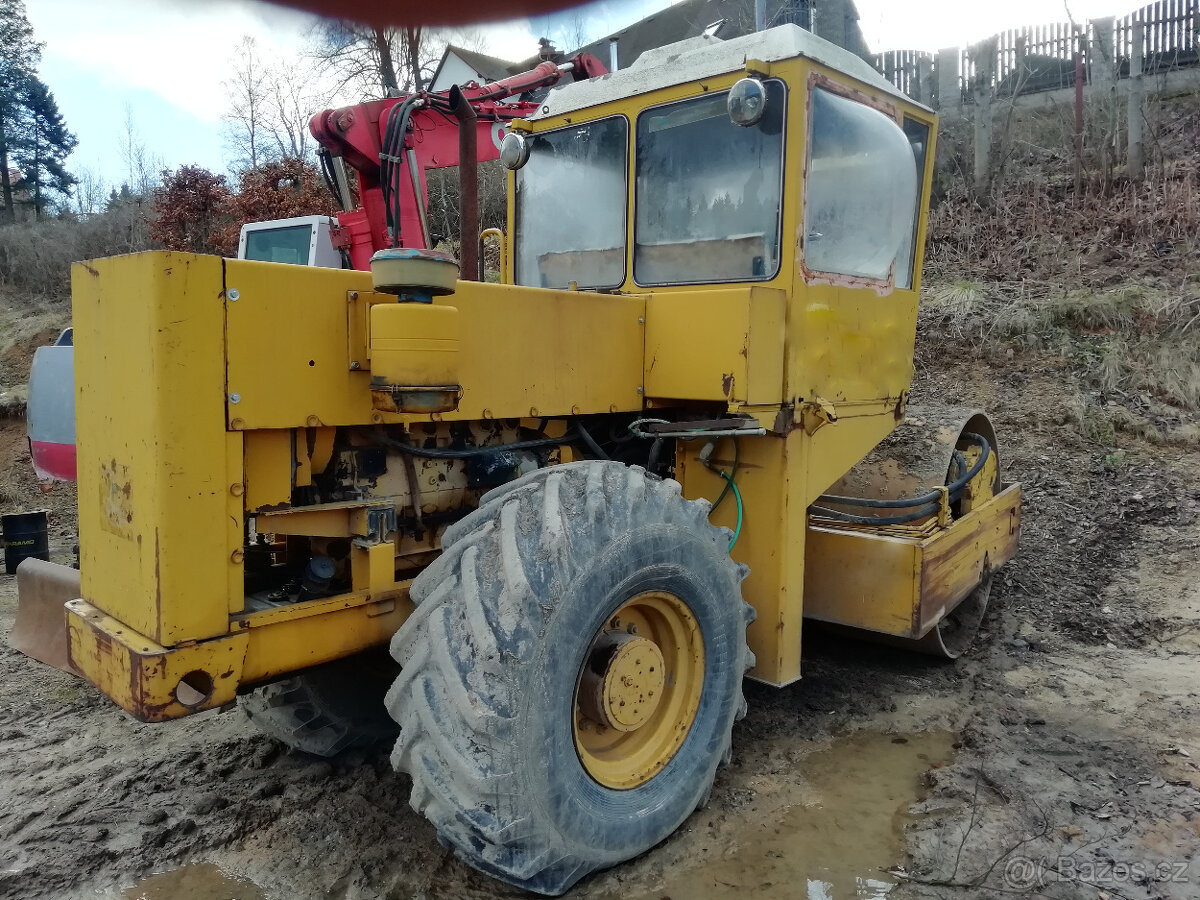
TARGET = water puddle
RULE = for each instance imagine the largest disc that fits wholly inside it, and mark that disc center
(840, 838)
(199, 882)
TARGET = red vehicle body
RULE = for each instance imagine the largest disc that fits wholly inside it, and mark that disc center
(390, 144)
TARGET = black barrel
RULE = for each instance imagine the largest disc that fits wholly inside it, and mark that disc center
(26, 536)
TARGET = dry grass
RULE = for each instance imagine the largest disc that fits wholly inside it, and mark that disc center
(1103, 286)
(1036, 231)
(1134, 350)
(36, 257)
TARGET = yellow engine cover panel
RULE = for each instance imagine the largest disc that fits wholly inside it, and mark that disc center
(299, 355)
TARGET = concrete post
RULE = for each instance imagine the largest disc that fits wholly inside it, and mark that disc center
(949, 84)
(983, 55)
(1102, 56)
(1136, 156)
(924, 88)
(1020, 73)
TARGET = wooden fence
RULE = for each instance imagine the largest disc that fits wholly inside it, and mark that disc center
(1042, 57)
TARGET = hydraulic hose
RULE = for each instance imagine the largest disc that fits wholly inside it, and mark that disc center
(390, 172)
(730, 485)
(955, 487)
(588, 440)
(732, 475)
(467, 453)
(922, 512)
(688, 434)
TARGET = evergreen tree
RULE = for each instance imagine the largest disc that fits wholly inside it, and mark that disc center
(42, 146)
(19, 57)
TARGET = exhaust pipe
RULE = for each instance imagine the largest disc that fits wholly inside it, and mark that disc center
(468, 185)
(613, 64)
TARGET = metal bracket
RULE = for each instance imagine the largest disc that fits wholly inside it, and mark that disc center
(381, 523)
(815, 414)
(943, 516)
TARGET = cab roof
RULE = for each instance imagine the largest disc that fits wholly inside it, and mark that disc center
(706, 57)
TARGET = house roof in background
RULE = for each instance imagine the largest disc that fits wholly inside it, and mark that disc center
(689, 18)
(490, 68)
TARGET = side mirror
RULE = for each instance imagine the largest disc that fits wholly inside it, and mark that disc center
(514, 150)
(747, 102)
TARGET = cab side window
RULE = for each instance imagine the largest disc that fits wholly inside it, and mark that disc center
(862, 195)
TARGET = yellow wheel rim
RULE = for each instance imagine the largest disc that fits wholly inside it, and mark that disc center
(638, 690)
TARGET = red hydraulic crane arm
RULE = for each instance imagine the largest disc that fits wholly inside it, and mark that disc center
(391, 143)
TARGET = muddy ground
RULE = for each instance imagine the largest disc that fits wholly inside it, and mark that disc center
(1059, 760)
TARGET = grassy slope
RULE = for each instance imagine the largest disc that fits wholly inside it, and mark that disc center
(1103, 287)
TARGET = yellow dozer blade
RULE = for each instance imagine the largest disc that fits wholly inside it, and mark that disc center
(40, 629)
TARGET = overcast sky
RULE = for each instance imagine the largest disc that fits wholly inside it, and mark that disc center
(164, 60)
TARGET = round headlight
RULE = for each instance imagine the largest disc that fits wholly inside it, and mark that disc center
(747, 102)
(514, 150)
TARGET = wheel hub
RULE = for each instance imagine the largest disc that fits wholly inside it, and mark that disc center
(632, 685)
(638, 690)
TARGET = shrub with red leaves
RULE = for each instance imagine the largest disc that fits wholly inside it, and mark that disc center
(277, 190)
(191, 211)
(195, 211)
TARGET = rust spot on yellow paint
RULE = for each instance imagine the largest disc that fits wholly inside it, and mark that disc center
(116, 499)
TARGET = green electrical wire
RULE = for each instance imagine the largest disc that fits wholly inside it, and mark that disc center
(737, 495)
(732, 473)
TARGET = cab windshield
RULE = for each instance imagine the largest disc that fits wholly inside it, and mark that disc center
(708, 192)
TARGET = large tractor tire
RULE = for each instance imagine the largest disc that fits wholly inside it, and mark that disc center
(327, 709)
(572, 672)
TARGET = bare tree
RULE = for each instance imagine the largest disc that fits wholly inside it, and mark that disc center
(291, 102)
(377, 62)
(249, 89)
(130, 205)
(574, 34)
(90, 193)
(141, 166)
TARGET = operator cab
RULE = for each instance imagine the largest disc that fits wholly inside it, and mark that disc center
(756, 159)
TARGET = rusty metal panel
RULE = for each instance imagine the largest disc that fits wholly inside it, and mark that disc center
(954, 561)
(143, 676)
(268, 469)
(904, 586)
(863, 580)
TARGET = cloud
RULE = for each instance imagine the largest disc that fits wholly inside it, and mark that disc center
(180, 51)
